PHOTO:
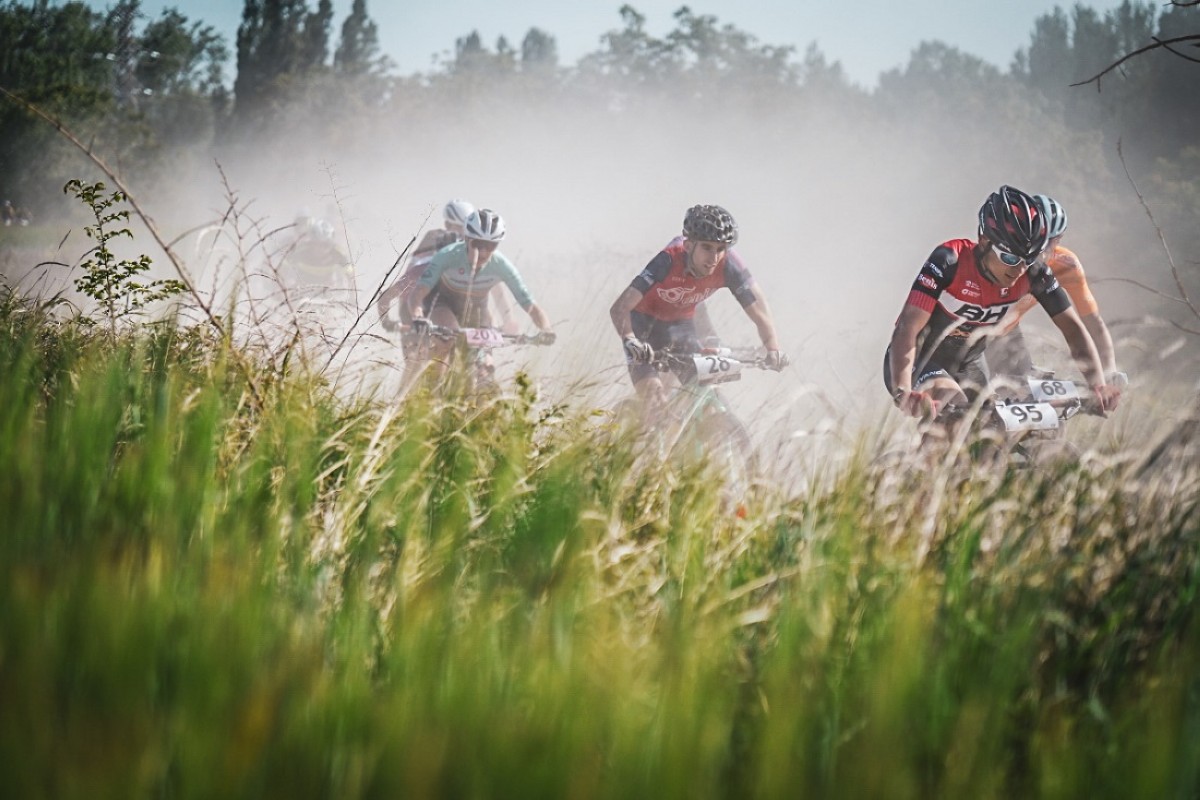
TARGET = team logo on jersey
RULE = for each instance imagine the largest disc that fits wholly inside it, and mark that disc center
(973, 285)
(973, 314)
(934, 268)
(1004, 291)
(684, 295)
(927, 281)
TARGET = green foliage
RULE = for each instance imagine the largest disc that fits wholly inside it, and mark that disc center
(202, 595)
(114, 284)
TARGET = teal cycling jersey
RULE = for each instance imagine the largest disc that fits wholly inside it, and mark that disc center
(449, 271)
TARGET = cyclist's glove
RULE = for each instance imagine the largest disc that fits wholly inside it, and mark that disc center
(545, 338)
(776, 360)
(637, 351)
(419, 326)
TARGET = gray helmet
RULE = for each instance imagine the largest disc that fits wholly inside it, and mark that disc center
(710, 224)
(457, 211)
(1056, 215)
(486, 225)
(1012, 221)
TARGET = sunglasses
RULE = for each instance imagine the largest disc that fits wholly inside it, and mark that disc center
(1007, 259)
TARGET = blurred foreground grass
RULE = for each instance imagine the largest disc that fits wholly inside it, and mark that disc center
(207, 595)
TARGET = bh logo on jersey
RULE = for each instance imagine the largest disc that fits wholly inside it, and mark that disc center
(684, 295)
(973, 314)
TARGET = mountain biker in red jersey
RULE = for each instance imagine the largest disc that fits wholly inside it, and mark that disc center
(1008, 356)
(658, 308)
(962, 293)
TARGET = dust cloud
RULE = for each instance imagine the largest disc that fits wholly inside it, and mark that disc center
(837, 212)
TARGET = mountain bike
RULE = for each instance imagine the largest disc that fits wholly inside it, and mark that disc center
(696, 425)
(1026, 426)
(472, 350)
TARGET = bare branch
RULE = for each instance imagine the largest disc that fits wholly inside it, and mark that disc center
(1183, 295)
(112, 174)
(1165, 43)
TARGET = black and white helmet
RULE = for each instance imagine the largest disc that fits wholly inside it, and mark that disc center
(485, 225)
(710, 224)
(456, 213)
(1012, 221)
(1055, 214)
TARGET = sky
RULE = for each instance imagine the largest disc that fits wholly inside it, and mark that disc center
(866, 36)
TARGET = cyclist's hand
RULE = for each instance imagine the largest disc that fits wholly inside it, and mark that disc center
(916, 404)
(776, 360)
(1108, 396)
(545, 338)
(637, 351)
(419, 326)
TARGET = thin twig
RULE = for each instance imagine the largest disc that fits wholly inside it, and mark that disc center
(1161, 238)
(1157, 44)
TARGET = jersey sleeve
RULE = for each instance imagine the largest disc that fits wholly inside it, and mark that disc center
(936, 274)
(738, 279)
(654, 272)
(512, 279)
(1046, 288)
(433, 270)
(1071, 277)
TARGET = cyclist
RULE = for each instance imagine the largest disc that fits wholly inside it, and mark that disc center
(312, 257)
(454, 219)
(1007, 355)
(453, 290)
(658, 309)
(962, 292)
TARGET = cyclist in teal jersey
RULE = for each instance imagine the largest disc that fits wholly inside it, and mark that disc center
(453, 290)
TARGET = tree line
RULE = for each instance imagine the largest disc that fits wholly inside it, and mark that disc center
(149, 91)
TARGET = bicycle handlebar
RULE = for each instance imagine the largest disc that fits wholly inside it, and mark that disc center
(480, 337)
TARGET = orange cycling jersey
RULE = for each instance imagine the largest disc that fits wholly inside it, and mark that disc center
(1069, 272)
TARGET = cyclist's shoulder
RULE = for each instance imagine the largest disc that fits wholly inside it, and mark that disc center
(1065, 264)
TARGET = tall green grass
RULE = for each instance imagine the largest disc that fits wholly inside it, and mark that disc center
(213, 591)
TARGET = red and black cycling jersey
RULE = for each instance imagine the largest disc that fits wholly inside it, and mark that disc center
(669, 293)
(964, 304)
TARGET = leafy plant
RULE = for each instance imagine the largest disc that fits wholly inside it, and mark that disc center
(114, 284)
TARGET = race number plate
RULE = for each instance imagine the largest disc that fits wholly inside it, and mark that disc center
(482, 337)
(716, 369)
(1028, 416)
(1050, 390)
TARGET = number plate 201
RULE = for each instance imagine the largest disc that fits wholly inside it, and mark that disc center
(1028, 416)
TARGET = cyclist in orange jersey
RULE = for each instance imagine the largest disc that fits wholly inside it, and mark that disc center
(1008, 355)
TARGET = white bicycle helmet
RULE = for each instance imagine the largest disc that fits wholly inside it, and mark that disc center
(456, 213)
(485, 225)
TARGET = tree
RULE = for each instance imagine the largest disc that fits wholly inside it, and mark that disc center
(358, 51)
(539, 50)
(279, 42)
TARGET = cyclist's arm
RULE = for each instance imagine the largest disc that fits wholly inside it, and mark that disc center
(1080, 344)
(538, 316)
(416, 298)
(760, 314)
(621, 310)
(1102, 339)
(911, 322)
